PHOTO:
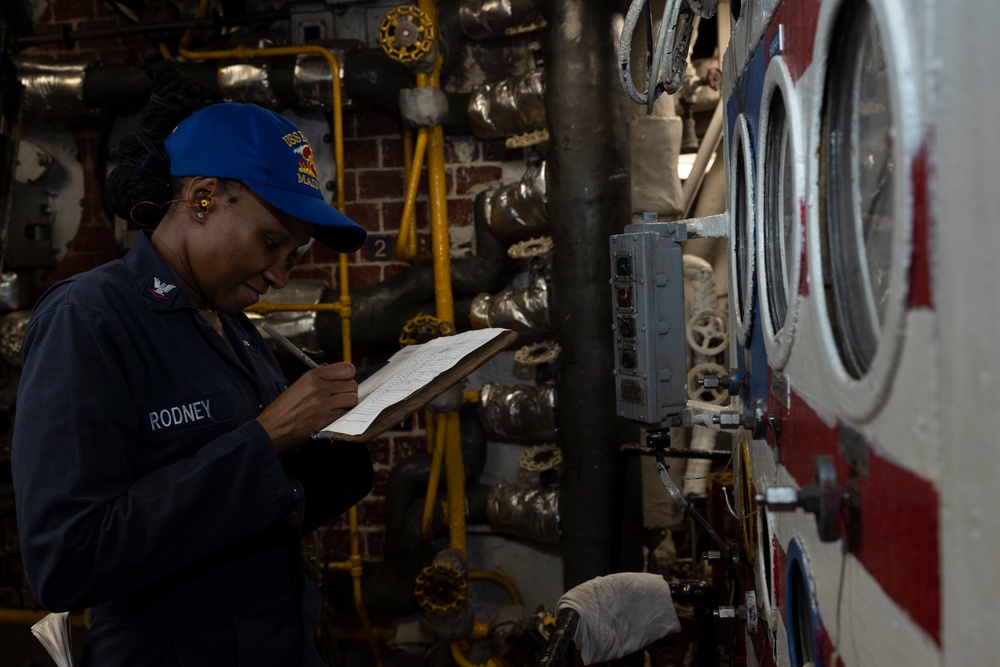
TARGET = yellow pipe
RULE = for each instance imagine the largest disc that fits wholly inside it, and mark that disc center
(502, 581)
(10, 616)
(264, 307)
(455, 477)
(461, 660)
(406, 242)
(441, 433)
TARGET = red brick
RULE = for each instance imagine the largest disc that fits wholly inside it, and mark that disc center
(323, 273)
(469, 176)
(374, 545)
(361, 153)
(372, 123)
(392, 152)
(371, 510)
(452, 155)
(393, 270)
(380, 451)
(392, 214)
(72, 10)
(405, 446)
(350, 186)
(366, 215)
(380, 184)
(461, 212)
(497, 151)
(365, 275)
(323, 255)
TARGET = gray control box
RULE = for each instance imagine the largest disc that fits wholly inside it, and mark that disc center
(647, 299)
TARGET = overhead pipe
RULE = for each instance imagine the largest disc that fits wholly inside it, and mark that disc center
(488, 19)
(588, 197)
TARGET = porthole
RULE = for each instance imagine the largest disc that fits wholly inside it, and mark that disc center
(860, 214)
(780, 187)
(857, 154)
(804, 627)
(741, 230)
(765, 565)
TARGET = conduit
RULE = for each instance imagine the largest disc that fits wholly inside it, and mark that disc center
(588, 196)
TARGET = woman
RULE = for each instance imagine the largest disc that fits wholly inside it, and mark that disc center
(163, 472)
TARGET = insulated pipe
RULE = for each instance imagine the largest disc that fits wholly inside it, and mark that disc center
(588, 197)
(381, 310)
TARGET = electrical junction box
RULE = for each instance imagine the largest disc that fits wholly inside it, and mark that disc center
(647, 299)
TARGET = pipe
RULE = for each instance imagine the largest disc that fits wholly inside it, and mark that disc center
(709, 145)
(383, 309)
(588, 198)
(700, 277)
(508, 107)
(517, 212)
(487, 19)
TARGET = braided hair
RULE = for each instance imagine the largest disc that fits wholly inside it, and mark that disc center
(143, 171)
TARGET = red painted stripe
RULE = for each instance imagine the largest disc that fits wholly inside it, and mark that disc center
(899, 513)
(920, 266)
(799, 20)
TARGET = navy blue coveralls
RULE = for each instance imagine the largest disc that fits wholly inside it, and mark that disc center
(146, 490)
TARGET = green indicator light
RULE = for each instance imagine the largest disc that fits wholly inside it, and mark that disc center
(623, 266)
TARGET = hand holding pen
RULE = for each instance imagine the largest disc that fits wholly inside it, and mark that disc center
(320, 396)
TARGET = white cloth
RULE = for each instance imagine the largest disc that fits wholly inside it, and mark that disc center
(54, 634)
(620, 614)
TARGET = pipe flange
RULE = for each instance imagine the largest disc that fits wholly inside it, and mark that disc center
(422, 328)
(540, 458)
(708, 332)
(441, 587)
(697, 391)
(531, 248)
(539, 353)
(407, 34)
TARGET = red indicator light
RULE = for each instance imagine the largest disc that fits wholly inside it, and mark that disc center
(624, 297)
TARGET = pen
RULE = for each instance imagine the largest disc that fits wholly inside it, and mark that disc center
(288, 345)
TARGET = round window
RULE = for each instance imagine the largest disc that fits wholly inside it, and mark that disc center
(858, 200)
(780, 224)
(742, 229)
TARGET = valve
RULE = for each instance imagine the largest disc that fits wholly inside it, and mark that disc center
(407, 35)
(822, 497)
(754, 419)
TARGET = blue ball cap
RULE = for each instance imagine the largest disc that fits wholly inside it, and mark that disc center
(270, 156)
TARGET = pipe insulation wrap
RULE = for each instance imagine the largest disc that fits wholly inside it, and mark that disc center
(524, 310)
(487, 19)
(519, 413)
(525, 511)
(509, 107)
(248, 82)
(517, 211)
(53, 89)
